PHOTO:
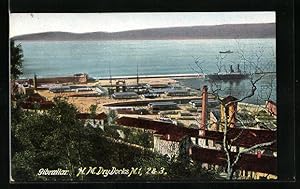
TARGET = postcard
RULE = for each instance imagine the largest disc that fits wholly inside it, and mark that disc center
(161, 96)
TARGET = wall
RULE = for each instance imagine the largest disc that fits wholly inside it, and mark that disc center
(164, 147)
(94, 123)
(213, 122)
(249, 175)
(205, 143)
(68, 79)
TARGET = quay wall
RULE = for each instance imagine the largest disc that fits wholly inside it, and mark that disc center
(82, 78)
(70, 79)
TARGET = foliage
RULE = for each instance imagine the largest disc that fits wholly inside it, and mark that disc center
(16, 60)
(57, 139)
(139, 137)
(111, 117)
(93, 109)
(111, 131)
(54, 139)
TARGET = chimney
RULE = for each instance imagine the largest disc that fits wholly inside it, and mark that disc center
(204, 110)
(35, 82)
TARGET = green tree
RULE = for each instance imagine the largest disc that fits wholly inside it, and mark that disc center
(16, 60)
(111, 117)
(93, 109)
(93, 112)
(53, 139)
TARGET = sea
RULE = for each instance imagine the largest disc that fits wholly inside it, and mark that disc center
(102, 59)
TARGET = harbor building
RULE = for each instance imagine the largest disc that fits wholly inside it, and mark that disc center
(125, 95)
(97, 120)
(155, 107)
(204, 144)
(177, 92)
(171, 140)
(37, 102)
(76, 78)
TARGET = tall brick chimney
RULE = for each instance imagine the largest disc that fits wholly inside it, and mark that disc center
(34, 81)
(232, 109)
(204, 111)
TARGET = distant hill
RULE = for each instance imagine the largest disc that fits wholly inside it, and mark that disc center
(267, 30)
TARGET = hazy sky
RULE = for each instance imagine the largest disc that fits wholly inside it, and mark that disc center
(25, 23)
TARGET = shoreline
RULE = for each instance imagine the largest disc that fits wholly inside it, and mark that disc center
(152, 76)
(128, 77)
(171, 76)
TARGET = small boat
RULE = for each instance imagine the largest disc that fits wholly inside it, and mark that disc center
(229, 51)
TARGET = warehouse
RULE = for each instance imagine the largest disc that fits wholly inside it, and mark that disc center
(177, 92)
(158, 106)
(59, 89)
(125, 95)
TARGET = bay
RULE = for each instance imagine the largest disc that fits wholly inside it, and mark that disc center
(155, 57)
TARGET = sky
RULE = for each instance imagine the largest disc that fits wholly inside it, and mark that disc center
(26, 23)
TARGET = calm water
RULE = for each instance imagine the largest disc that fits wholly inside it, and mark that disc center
(266, 88)
(58, 58)
(153, 57)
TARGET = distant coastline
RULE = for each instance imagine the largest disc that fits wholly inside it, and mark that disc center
(228, 31)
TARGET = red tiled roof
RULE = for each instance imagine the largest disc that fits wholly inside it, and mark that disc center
(250, 137)
(246, 137)
(36, 97)
(34, 100)
(41, 105)
(272, 108)
(159, 127)
(271, 102)
(102, 115)
(228, 99)
(249, 162)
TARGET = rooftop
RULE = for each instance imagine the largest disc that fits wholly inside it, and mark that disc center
(228, 99)
(244, 137)
(125, 94)
(162, 104)
(35, 97)
(35, 100)
(100, 116)
(249, 162)
(37, 105)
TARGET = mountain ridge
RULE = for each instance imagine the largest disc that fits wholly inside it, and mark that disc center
(265, 30)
